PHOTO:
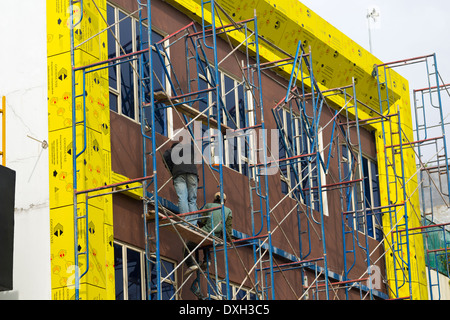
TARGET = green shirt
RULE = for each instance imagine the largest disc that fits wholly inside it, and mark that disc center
(212, 218)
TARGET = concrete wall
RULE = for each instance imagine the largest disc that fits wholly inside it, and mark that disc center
(441, 292)
(23, 80)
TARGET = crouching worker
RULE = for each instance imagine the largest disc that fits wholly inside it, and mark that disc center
(208, 222)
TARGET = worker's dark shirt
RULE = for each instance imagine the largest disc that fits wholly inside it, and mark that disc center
(184, 167)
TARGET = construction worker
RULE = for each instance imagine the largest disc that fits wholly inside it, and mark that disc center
(209, 221)
(179, 159)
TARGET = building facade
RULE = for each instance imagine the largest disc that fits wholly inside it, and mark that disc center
(292, 122)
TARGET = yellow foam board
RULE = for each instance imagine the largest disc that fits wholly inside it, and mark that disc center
(62, 248)
(87, 292)
(91, 166)
(59, 27)
(94, 164)
(134, 193)
(109, 262)
(96, 274)
(60, 94)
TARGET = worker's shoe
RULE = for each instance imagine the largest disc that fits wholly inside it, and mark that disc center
(150, 215)
(190, 270)
(205, 265)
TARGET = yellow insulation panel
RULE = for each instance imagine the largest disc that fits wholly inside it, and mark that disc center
(59, 95)
(92, 141)
(87, 292)
(88, 22)
(134, 193)
(92, 166)
(336, 60)
(62, 246)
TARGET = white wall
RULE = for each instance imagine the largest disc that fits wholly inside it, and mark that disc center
(443, 288)
(23, 80)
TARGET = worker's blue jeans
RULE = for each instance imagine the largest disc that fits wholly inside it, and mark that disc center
(186, 189)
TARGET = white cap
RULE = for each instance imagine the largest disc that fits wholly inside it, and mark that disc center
(217, 196)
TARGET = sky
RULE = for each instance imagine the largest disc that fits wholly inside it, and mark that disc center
(406, 29)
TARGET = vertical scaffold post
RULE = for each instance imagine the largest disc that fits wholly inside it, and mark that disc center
(363, 189)
(3, 112)
(398, 264)
(317, 109)
(219, 108)
(442, 124)
(264, 149)
(75, 153)
(145, 140)
(405, 197)
(308, 189)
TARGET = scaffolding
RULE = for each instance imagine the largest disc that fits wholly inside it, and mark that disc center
(3, 112)
(201, 98)
(428, 147)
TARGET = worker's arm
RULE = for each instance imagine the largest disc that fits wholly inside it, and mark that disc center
(205, 215)
(167, 157)
(229, 224)
(202, 220)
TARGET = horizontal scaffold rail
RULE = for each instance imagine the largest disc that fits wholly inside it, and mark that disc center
(189, 111)
(114, 185)
(180, 226)
(398, 63)
(435, 169)
(439, 250)
(444, 86)
(273, 64)
(347, 282)
(362, 122)
(408, 144)
(175, 33)
(181, 215)
(300, 262)
(424, 227)
(222, 29)
(333, 185)
(376, 208)
(283, 159)
(99, 63)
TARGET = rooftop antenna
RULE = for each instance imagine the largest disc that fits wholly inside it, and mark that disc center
(373, 13)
